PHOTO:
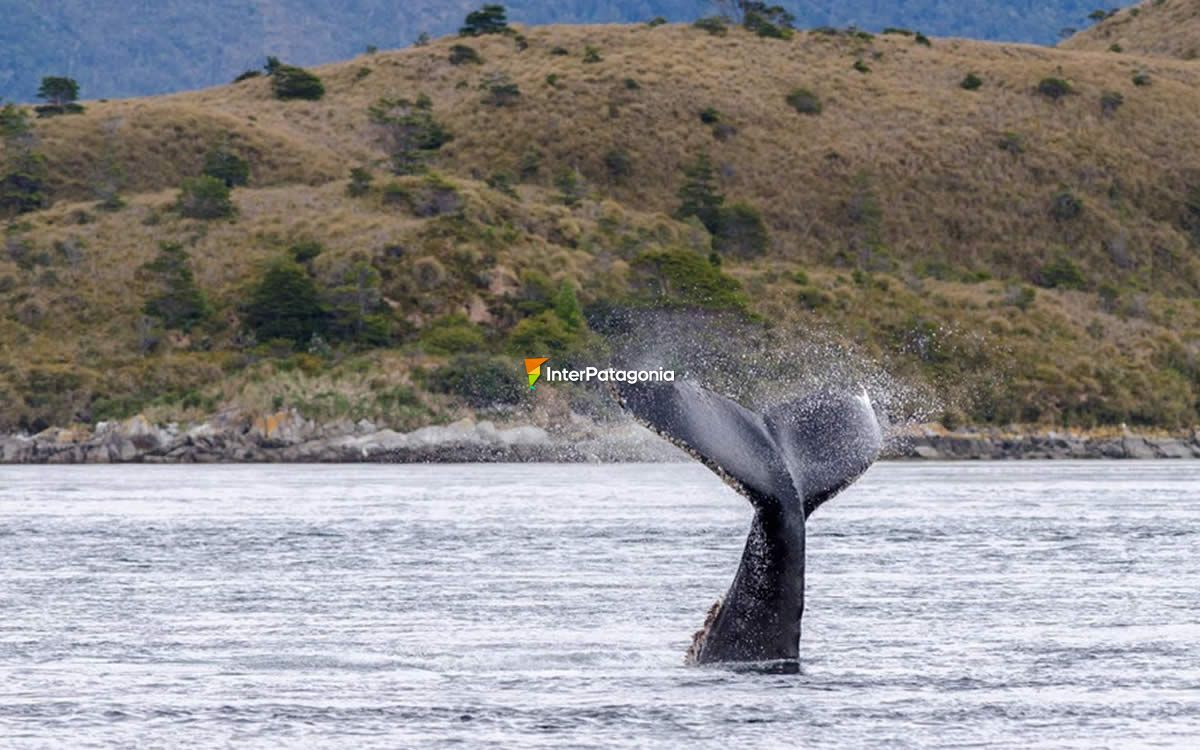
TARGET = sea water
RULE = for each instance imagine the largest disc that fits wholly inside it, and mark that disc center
(1003, 604)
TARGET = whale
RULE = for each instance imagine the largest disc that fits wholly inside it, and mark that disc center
(787, 461)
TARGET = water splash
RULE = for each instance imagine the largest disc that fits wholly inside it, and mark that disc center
(763, 365)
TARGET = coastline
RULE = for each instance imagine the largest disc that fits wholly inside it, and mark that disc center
(286, 437)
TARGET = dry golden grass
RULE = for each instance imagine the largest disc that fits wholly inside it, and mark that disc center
(1169, 28)
(906, 133)
(905, 137)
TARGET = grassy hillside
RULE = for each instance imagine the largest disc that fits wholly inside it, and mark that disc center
(1169, 28)
(1028, 248)
(170, 45)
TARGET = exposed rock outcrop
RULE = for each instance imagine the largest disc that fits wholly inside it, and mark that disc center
(287, 436)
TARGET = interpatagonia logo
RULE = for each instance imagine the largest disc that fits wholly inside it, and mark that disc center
(533, 368)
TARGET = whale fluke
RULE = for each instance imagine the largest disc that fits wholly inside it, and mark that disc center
(786, 462)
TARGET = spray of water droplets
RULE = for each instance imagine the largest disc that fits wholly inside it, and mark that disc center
(761, 366)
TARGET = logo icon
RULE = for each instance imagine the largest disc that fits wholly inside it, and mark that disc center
(534, 369)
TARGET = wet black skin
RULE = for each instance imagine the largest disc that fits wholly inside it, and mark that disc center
(786, 461)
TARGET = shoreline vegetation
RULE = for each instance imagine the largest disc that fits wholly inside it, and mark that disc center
(287, 437)
(1012, 229)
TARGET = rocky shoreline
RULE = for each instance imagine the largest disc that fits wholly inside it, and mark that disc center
(287, 437)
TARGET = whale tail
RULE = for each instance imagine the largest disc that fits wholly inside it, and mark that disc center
(787, 461)
(795, 455)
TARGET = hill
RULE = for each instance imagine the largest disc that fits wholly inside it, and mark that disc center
(172, 45)
(1170, 28)
(1028, 246)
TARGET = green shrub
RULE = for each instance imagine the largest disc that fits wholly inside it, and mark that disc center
(591, 55)
(409, 132)
(568, 309)
(805, 102)
(1141, 78)
(971, 82)
(247, 75)
(502, 182)
(23, 186)
(1013, 143)
(861, 66)
(699, 196)
(1110, 102)
(1061, 273)
(571, 188)
(813, 299)
(714, 25)
(541, 335)
(355, 302)
(892, 30)
(226, 166)
(723, 131)
(1191, 213)
(530, 165)
(1054, 88)
(480, 380)
(1065, 206)
(769, 21)
(204, 197)
(922, 40)
(559, 51)
(290, 82)
(453, 334)
(710, 116)
(631, 84)
(656, 21)
(490, 19)
(741, 231)
(461, 54)
(286, 304)
(433, 196)
(677, 277)
(537, 292)
(306, 251)
(176, 300)
(618, 163)
(360, 182)
(500, 91)
(1110, 297)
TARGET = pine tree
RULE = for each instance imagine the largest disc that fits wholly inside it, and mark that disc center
(699, 195)
(566, 307)
(23, 172)
(285, 304)
(490, 19)
(58, 91)
(178, 303)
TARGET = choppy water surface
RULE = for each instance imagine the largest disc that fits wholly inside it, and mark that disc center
(1032, 604)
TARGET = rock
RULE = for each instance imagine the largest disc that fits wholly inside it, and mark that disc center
(141, 434)
(1169, 448)
(280, 429)
(17, 450)
(1136, 447)
(365, 427)
(120, 449)
(926, 451)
